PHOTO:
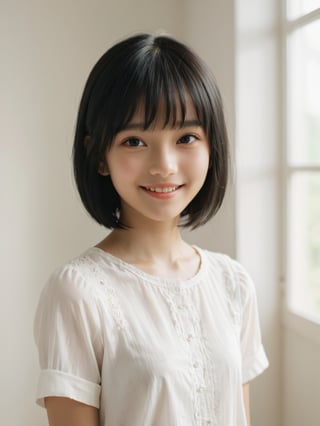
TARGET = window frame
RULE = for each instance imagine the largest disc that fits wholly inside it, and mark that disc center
(302, 323)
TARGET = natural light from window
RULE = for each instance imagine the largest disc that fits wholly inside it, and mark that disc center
(303, 163)
(297, 8)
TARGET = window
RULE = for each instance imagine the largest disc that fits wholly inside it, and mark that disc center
(298, 8)
(302, 156)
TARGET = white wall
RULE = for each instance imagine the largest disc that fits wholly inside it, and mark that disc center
(258, 108)
(47, 51)
(209, 28)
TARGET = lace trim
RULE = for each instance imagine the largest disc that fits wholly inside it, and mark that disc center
(232, 282)
(185, 318)
(152, 279)
(88, 269)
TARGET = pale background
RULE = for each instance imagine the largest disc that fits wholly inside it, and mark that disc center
(47, 50)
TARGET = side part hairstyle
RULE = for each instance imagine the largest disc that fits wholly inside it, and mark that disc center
(144, 70)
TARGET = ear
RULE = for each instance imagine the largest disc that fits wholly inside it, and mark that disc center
(103, 168)
(86, 142)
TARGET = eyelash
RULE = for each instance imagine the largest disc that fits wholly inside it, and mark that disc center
(189, 136)
(127, 141)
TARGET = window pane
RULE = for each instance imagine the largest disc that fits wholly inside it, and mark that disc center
(304, 243)
(303, 125)
(296, 8)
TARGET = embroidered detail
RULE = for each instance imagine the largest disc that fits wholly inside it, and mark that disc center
(233, 290)
(89, 270)
(185, 317)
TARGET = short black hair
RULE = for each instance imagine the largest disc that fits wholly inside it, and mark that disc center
(146, 68)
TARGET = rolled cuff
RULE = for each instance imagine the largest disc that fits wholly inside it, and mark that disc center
(58, 383)
(254, 365)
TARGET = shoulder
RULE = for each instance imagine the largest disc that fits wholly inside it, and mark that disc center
(232, 271)
(74, 280)
(234, 282)
(71, 295)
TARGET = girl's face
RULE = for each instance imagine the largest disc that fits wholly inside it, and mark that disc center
(158, 171)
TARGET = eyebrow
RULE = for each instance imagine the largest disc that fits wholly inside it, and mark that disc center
(178, 124)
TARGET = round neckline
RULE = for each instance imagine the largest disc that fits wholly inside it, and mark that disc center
(162, 281)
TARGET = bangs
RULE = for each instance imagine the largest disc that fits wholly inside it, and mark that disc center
(166, 80)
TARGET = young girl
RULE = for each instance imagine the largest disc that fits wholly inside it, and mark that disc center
(144, 329)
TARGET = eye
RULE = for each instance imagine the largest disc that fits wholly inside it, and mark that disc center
(187, 139)
(133, 142)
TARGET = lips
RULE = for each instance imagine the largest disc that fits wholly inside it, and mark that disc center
(162, 187)
(162, 190)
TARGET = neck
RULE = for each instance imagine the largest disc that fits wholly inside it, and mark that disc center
(159, 242)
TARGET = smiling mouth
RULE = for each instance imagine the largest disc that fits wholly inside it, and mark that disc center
(162, 189)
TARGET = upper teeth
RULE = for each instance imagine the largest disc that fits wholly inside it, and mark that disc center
(169, 189)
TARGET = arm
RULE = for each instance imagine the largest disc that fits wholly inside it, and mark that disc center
(67, 412)
(246, 400)
(68, 334)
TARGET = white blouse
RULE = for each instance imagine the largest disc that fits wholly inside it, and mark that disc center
(149, 351)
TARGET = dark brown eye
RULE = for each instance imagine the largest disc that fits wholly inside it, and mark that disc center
(187, 139)
(133, 142)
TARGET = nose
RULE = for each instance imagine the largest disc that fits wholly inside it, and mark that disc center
(163, 162)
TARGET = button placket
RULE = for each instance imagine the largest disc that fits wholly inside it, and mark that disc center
(187, 323)
(192, 337)
(203, 389)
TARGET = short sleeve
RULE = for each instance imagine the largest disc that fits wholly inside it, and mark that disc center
(254, 360)
(67, 331)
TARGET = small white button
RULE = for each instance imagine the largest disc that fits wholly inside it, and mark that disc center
(181, 306)
(189, 337)
(195, 365)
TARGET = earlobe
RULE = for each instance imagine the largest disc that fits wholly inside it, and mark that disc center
(103, 169)
(86, 142)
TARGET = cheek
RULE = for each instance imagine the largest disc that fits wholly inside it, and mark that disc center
(122, 165)
(199, 163)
